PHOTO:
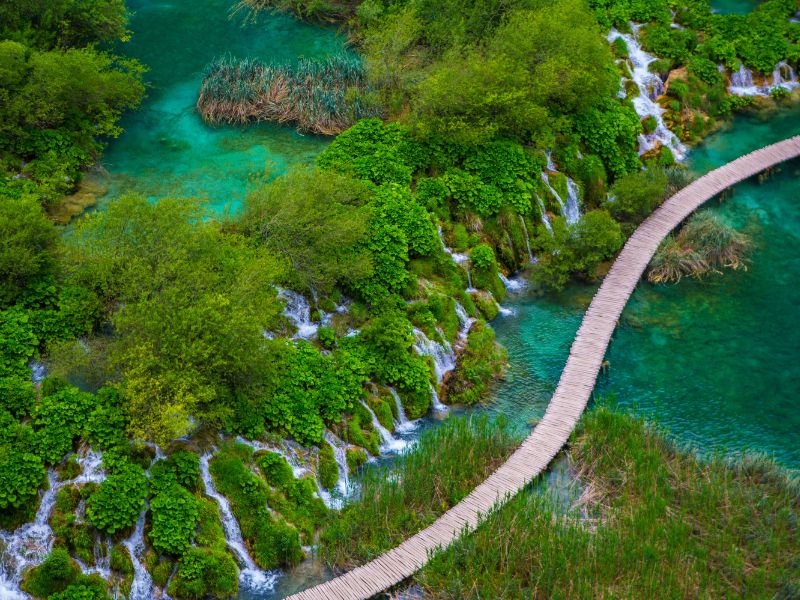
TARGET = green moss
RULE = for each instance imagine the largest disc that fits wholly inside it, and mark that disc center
(649, 124)
(205, 573)
(327, 468)
(481, 362)
(382, 410)
(487, 305)
(56, 572)
(209, 526)
(272, 542)
(120, 560)
(360, 432)
(355, 458)
(160, 568)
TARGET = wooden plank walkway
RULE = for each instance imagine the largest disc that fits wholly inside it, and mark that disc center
(570, 398)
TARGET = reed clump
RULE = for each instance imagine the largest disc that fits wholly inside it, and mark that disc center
(662, 523)
(319, 96)
(705, 244)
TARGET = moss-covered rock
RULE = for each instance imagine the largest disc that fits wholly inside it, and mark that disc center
(327, 469)
(355, 458)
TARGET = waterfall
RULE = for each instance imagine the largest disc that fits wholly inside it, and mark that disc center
(436, 403)
(508, 241)
(142, 587)
(30, 543)
(784, 76)
(512, 285)
(545, 218)
(570, 209)
(464, 320)
(298, 311)
(340, 454)
(38, 373)
(531, 257)
(402, 424)
(444, 359)
(250, 576)
(390, 444)
(742, 84)
(650, 86)
(469, 281)
(297, 469)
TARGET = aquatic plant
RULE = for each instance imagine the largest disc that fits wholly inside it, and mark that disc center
(704, 244)
(320, 96)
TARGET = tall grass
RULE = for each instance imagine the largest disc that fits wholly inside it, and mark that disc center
(663, 524)
(446, 464)
(319, 96)
(703, 245)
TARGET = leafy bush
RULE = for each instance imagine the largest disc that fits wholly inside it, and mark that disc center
(482, 257)
(277, 471)
(21, 475)
(80, 592)
(205, 573)
(16, 395)
(54, 575)
(18, 343)
(481, 362)
(634, 196)
(117, 502)
(174, 512)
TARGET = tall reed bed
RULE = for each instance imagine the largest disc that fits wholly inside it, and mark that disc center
(319, 96)
(396, 502)
(661, 524)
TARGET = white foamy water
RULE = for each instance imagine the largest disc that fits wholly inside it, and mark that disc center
(743, 84)
(512, 285)
(650, 87)
(444, 359)
(531, 257)
(389, 443)
(251, 578)
(343, 483)
(402, 423)
(297, 469)
(298, 311)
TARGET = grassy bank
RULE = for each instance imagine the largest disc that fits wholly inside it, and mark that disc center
(657, 522)
(446, 464)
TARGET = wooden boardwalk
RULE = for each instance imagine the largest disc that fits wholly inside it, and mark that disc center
(570, 398)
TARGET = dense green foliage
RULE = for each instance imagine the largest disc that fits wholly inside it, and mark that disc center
(59, 93)
(117, 502)
(480, 363)
(659, 522)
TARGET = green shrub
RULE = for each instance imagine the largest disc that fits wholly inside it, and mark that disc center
(277, 471)
(116, 503)
(54, 575)
(481, 362)
(18, 343)
(328, 470)
(355, 458)
(174, 516)
(482, 257)
(80, 592)
(16, 395)
(21, 475)
(205, 573)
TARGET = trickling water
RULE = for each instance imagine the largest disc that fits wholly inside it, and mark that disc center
(545, 220)
(390, 444)
(340, 454)
(444, 359)
(509, 242)
(470, 288)
(458, 257)
(251, 577)
(402, 424)
(512, 285)
(30, 543)
(784, 76)
(573, 207)
(297, 469)
(464, 320)
(437, 404)
(298, 311)
(142, 587)
(38, 373)
(650, 86)
(531, 257)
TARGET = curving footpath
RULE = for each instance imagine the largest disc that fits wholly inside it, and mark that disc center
(570, 398)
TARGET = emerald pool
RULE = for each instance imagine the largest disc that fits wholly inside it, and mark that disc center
(166, 150)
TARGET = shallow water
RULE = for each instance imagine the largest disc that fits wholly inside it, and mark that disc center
(715, 361)
(166, 150)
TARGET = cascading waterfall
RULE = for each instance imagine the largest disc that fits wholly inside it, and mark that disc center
(573, 202)
(390, 444)
(30, 543)
(742, 83)
(401, 424)
(340, 454)
(458, 258)
(298, 311)
(464, 320)
(545, 220)
(650, 86)
(251, 578)
(437, 404)
(142, 587)
(512, 285)
(38, 373)
(509, 242)
(570, 209)
(297, 469)
(444, 359)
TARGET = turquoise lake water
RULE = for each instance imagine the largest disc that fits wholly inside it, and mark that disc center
(716, 362)
(166, 149)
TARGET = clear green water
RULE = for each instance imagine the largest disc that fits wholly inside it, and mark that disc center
(737, 7)
(166, 149)
(716, 362)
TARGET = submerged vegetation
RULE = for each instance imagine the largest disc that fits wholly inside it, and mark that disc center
(704, 244)
(318, 96)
